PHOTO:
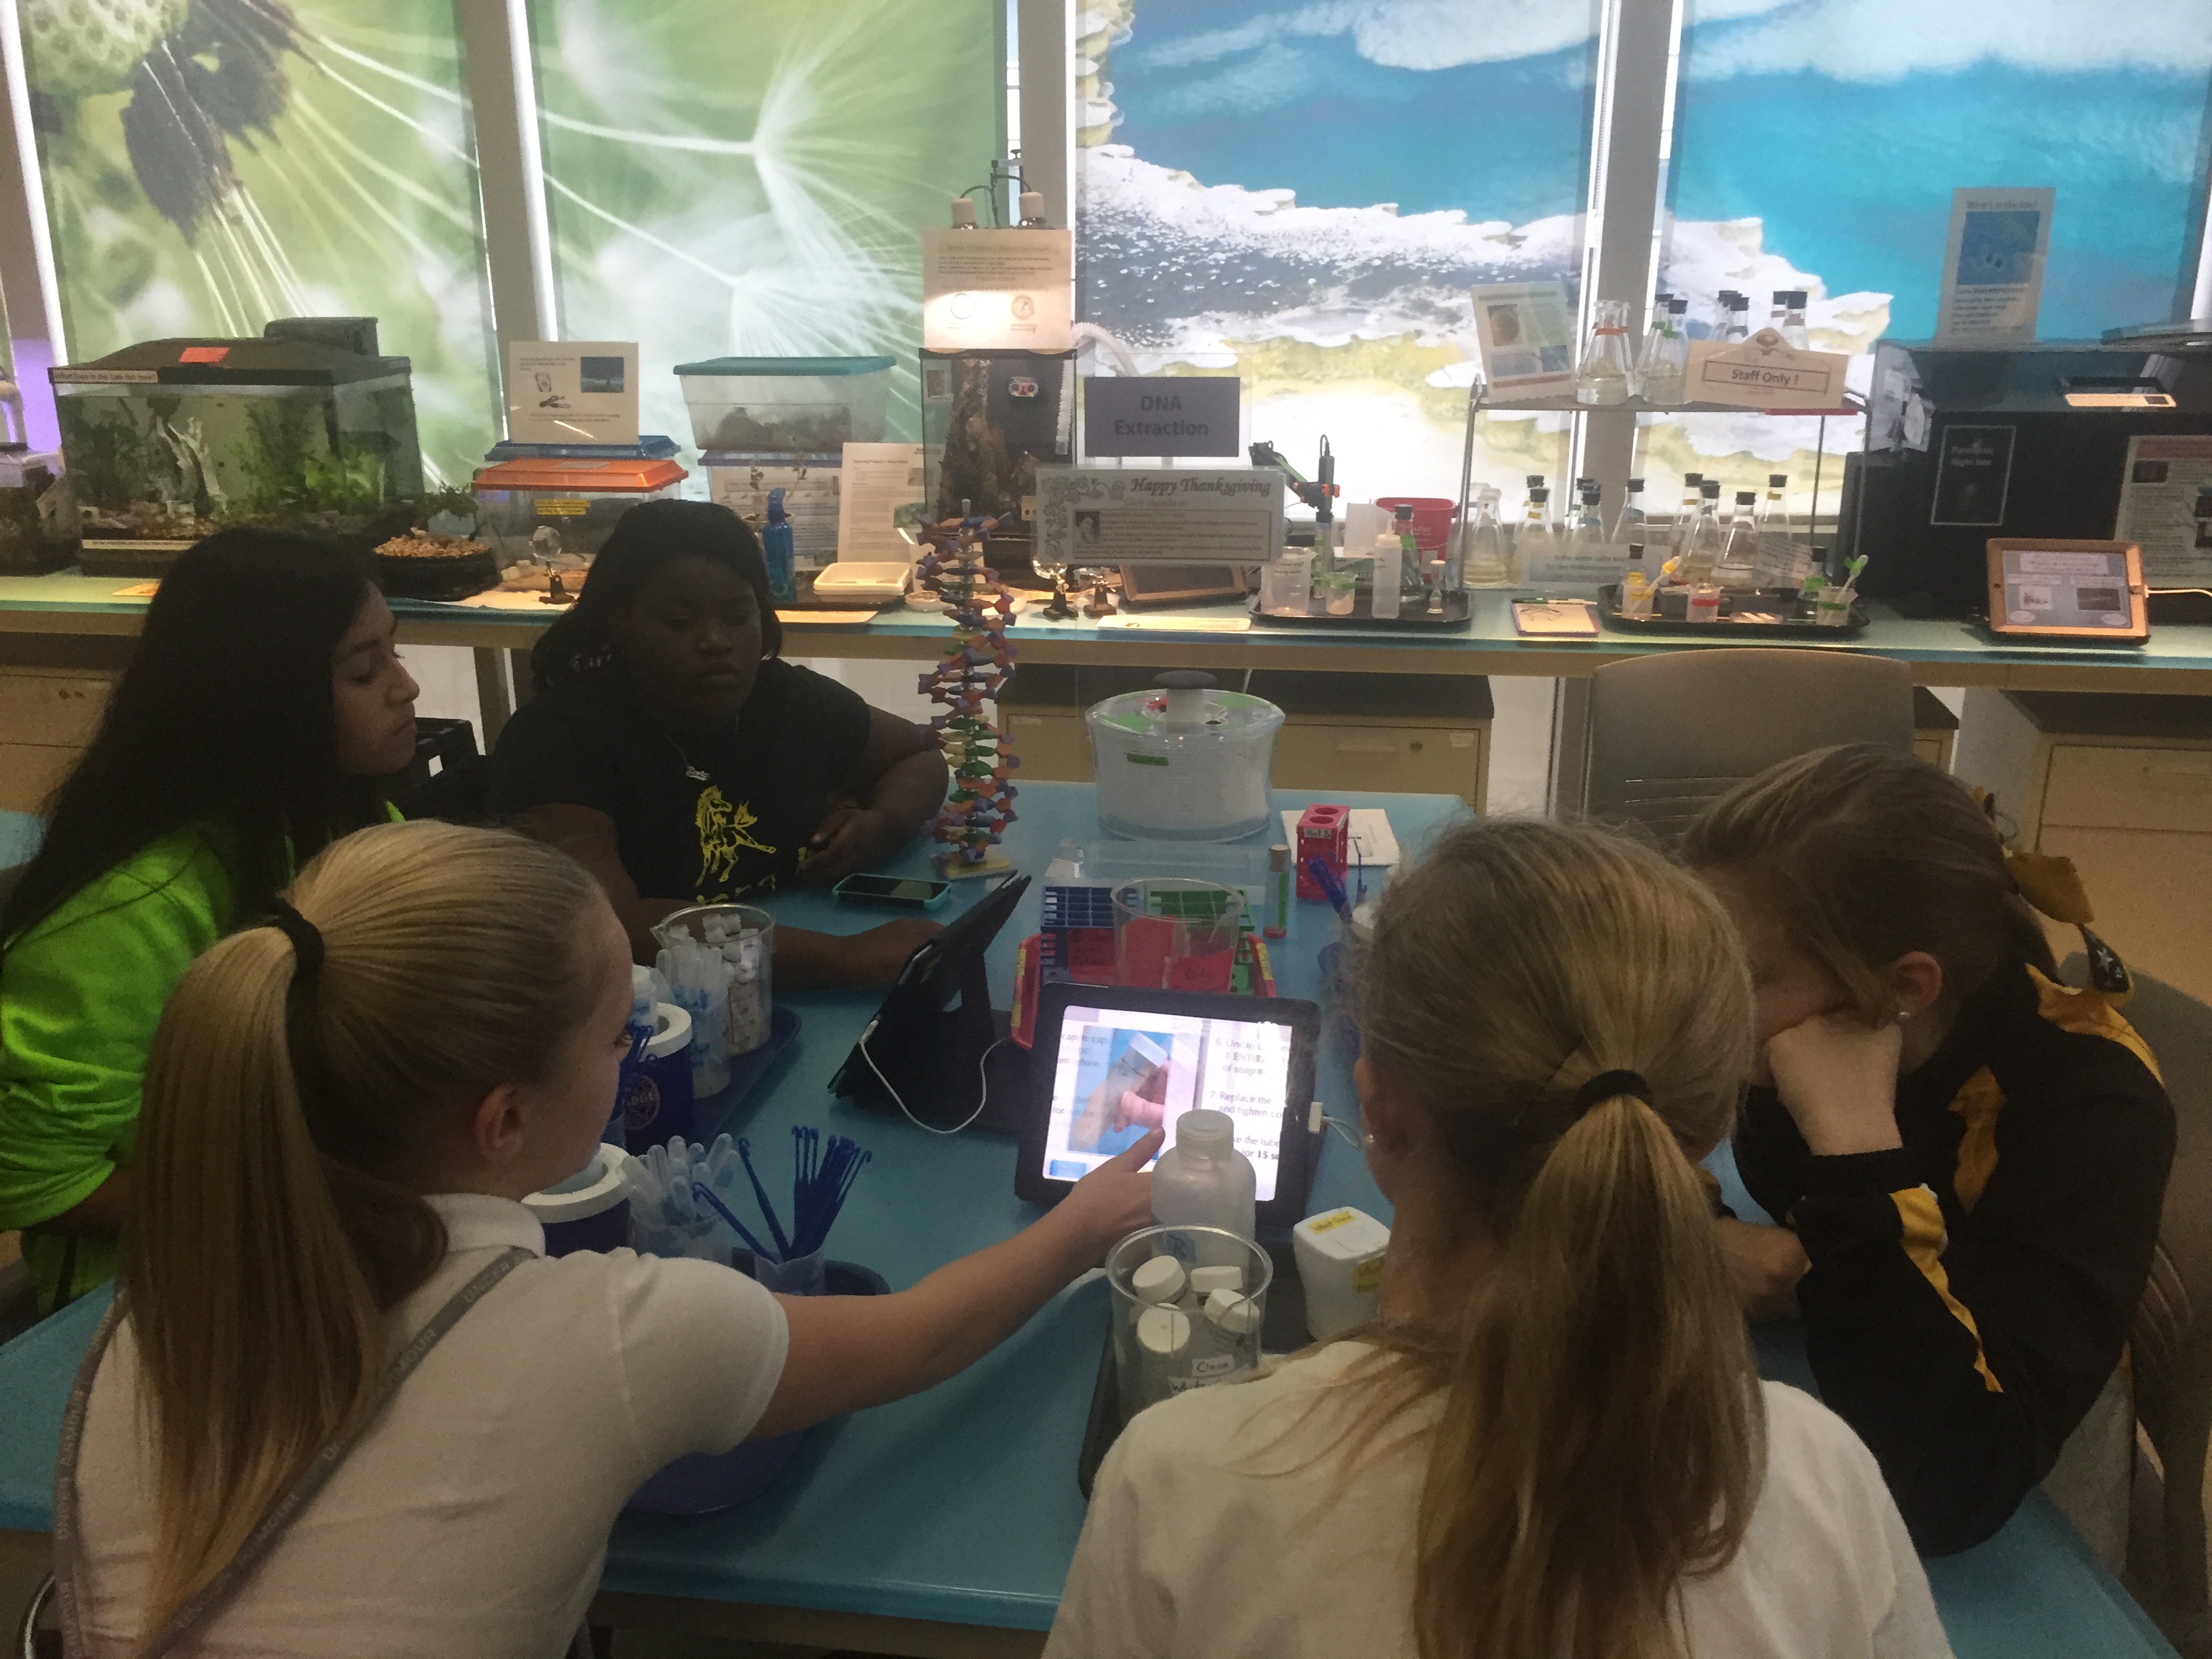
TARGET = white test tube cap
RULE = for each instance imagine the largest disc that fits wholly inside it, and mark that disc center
(964, 212)
(1164, 1332)
(1233, 1312)
(1158, 1280)
(1207, 1280)
(1032, 204)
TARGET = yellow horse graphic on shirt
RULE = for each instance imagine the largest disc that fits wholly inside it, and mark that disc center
(724, 830)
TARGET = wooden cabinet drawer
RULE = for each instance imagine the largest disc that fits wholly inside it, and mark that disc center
(2128, 788)
(53, 708)
(1054, 746)
(1414, 760)
(29, 773)
(2152, 892)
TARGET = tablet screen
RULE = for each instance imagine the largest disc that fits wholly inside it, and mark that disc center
(2081, 587)
(1121, 1072)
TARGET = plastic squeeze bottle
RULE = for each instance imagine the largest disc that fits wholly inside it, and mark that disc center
(1203, 1181)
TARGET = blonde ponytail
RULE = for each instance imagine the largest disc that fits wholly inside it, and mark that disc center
(1601, 1435)
(284, 1120)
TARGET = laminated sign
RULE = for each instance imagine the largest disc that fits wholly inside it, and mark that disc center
(1097, 515)
(1766, 371)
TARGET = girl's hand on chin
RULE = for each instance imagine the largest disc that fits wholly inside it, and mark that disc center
(1837, 1077)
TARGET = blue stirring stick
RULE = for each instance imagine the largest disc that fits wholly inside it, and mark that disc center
(704, 1191)
(1325, 879)
(774, 1228)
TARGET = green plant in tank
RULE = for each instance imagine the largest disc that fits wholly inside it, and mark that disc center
(275, 456)
(344, 483)
(106, 453)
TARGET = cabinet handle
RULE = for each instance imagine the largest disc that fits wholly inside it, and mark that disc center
(1364, 746)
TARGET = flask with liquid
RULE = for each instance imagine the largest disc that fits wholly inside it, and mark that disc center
(1482, 548)
(1590, 522)
(1203, 1181)
(1601, 377)
(1684, 521)
(1662, 371)
(1773, 515)
(1701, 551)
(1792, 326)
(1538, 540)
(1739, 558)
(1736, 316)
(1628, 526)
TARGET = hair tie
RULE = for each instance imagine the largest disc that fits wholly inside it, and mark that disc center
(307, 939)
(1607, 1085)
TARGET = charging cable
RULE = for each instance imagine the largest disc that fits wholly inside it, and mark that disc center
(982, 1080)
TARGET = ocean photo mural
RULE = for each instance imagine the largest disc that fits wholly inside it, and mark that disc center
(1304, 190)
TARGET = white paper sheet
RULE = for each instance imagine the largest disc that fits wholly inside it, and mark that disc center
(1993, 267)
(1372, 840)
(2165, 507)
(878, 480)
(572, 391)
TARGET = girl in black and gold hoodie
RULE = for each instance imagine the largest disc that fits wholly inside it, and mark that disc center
(1968, 1156)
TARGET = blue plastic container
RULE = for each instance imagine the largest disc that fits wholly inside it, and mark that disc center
(704, 1482)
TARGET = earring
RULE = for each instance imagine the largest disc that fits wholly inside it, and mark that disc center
(1367, 1141)
(1903, 1013)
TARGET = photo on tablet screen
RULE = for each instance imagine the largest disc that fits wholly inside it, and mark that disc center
(1121, 1072)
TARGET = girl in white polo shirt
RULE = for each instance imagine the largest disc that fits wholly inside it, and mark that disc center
(343, 1109)
(1553, 1445)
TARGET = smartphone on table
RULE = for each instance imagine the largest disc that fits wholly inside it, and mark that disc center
(909, 892)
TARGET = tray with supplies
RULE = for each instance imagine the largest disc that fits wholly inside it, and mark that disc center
(1413, 616)
(1778, 613)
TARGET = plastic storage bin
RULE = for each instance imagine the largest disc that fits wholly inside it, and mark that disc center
(553, 509)
(786, 404)
(1189, 763)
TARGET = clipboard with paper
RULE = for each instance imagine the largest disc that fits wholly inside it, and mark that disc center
(1766, 371)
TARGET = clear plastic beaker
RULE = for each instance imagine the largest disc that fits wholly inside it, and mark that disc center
(1286, 585)
(742, 937)
(1171, 1333)
(1176, 933)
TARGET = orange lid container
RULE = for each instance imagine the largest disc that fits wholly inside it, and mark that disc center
(599, 477)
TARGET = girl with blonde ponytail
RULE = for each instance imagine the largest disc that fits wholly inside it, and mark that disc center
(343, 1405)
(1553, 1445)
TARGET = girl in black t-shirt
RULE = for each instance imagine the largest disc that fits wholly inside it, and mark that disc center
(671, 752)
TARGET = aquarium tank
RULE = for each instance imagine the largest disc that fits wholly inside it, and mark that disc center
(307, 427)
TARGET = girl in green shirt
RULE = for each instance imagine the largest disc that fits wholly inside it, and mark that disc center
(265, 700)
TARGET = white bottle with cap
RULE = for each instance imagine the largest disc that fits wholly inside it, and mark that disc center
(1203, 1181)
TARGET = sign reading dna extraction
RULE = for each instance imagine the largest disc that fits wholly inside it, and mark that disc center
(1160, 415)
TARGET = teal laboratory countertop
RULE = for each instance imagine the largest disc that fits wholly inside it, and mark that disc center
(2177, 659)
(959, 1504)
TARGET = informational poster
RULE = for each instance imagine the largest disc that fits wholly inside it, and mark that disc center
(811, 498)
(1766, 371)
(1526, 338)
(1160, 415)
(1993, 267)
(1973, 476)
(2166, 509)
(1097, 515)
(997, 290)
(880, 481)
(572, 391)
(1576, 564)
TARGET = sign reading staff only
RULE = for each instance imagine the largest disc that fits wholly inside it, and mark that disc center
(1160, 415)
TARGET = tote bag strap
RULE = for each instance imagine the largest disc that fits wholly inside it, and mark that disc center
(264, 1538)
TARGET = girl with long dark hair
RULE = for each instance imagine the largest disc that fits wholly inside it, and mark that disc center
(265, 700)
(674, 754)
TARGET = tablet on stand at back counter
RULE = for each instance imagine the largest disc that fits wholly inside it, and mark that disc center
(1098, 1045)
